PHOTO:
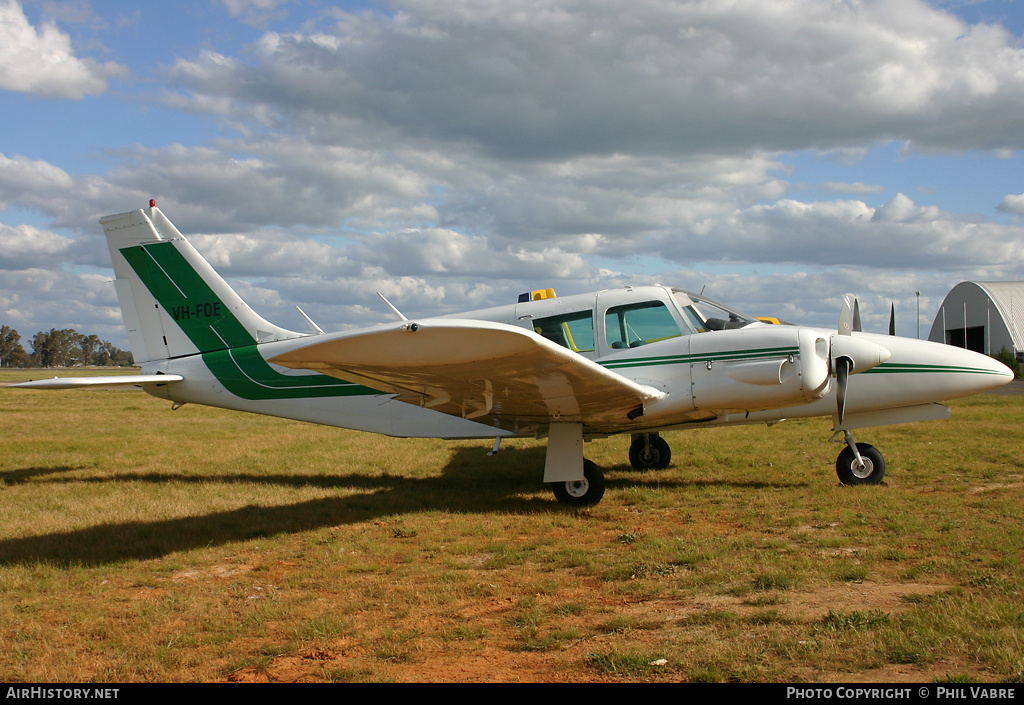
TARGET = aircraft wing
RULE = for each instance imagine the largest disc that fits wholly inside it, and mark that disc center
(98, 382)
(491, 372)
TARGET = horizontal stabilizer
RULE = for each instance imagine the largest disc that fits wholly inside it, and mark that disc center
(98, 382)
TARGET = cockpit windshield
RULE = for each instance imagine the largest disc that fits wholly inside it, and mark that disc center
(707, 314)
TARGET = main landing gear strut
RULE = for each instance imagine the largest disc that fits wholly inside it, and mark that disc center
(576, 481)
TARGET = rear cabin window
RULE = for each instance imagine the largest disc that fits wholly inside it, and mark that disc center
(574, 330)
(639, 324)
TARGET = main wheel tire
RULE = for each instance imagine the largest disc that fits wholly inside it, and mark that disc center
(657, 458)
(582, 493)
(850, 474)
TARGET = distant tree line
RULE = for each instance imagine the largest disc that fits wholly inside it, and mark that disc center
(59, 348)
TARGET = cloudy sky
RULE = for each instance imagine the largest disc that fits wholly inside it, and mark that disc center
(776, 153)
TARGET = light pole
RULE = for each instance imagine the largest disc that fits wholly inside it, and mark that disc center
(918, 293)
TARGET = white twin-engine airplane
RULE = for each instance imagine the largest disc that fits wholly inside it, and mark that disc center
(637, 360)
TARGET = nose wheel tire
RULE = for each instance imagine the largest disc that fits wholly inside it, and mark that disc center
(655, 456)
(849, 471)
(582, 493)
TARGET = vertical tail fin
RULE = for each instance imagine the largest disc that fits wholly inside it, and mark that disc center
(173, 302)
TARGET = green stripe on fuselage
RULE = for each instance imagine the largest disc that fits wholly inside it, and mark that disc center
(228, 349)
(884, 368)
(245, 373)
(907, 368)
(723, 356)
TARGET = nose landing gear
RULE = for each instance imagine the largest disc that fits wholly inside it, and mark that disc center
(649, 451)
(859, 463)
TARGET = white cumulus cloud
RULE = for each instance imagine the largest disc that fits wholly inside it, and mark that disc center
(1013, 204)
(42, 60)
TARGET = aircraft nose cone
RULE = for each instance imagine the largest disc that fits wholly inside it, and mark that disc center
(979, 373)
(1001, 372)
(921, 371)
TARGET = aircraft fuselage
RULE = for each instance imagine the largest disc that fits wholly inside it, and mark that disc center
(751, 374)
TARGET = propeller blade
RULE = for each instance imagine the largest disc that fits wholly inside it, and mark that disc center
(892, 318)
(842, 379)
(856, 316)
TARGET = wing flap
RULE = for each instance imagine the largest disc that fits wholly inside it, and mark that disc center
(477, 370)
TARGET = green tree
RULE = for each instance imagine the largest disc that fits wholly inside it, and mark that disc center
(58, 348)
(10, 346)
(1007, 358)
(112, 355)
(90, 346)
(20, 358)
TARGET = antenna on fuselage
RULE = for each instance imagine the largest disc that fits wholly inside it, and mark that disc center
(309, 322)
(392, 307)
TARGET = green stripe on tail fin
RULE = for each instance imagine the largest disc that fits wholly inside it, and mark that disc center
(183, 294)
(173, 301)
(175, 304)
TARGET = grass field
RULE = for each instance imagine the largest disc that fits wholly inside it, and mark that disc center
(143, 544)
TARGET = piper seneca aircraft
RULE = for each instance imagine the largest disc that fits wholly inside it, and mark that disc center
(638, 360)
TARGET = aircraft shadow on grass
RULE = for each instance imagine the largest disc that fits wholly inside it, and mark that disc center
(507, 484)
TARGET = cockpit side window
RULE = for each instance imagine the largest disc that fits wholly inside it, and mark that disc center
(694, 319)
(639, 324)
(574, 330)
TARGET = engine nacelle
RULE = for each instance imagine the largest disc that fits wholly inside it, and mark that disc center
(768, 367)
(763, 367)
(862, 353)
